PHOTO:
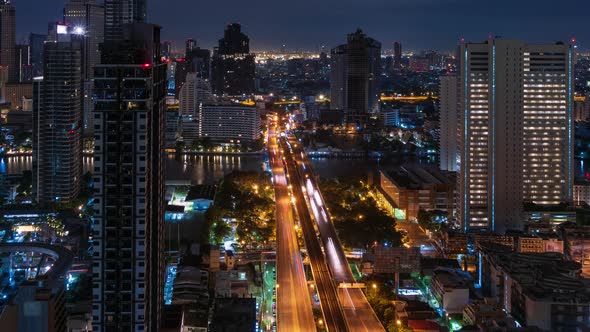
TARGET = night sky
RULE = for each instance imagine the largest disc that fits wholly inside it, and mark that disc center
(308, 24)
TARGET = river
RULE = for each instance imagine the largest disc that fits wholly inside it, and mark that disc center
(207, 169)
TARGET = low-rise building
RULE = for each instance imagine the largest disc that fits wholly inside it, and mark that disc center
(231, 284)
(539, 244)
(453, 242)
(201, 196)
(582, 191)
(390, 260)
(577, 245)
(503, 240)
(481, 312)
(35, 308)
(450, 288)
(412, 188)
(234, 314)
(542, 290)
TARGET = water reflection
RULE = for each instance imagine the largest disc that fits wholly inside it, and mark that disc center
(19, 164)
(207, 169)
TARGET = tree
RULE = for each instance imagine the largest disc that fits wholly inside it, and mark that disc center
(26, 185)
(179, 146)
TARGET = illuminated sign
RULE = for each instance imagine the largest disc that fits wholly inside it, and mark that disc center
(62, 29)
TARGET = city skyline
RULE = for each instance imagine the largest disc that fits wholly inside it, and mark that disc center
(322, 24)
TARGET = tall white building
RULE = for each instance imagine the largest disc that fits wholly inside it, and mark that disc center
(449, 118)
(194, 91)
(516, 129)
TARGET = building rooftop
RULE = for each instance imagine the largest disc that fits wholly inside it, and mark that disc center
(418, 176)
(202, 191)
(234, 314)
(542, 275)
(451, 278)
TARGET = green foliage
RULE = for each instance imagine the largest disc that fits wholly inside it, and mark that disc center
(247, 197)
(357, 217)
(426, 219)
(381, 300)
(25, 187)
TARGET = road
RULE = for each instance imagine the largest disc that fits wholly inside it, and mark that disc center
(359, 314)
(326, 288)
(417, 238)
(294, 310)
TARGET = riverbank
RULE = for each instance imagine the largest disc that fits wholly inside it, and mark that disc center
(207, 153)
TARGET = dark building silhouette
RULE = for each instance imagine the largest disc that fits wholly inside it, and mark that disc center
(8, 39)
(89, 17)
(121, 12)
(190, 45)
(397, 55)
(181, 68)
(36, 42)
(129, 93)
(233, 69)
(354, 78)
(23, 63)
(166, 48)
(199, 61)
(57, 118)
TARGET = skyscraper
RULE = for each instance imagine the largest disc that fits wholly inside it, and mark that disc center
(193, 92)
(191, 44)
(233, 69)
(36, 42)
(449, 106)
(8, 39)
(87, 16)
(199, 61)
(355, 72)
(128, 269)
(57, 115)
(516, 102)
(338, 70)
(23, 63)
(121, 12)
(397, 55)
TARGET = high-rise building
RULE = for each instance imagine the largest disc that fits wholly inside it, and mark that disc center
(515, 143)
(36, 42)
(354, 78)
(23, 63)
(8, 39)
(233, 68)
(194, 92)
(89, 17)
(128, 269)
(397, 55)
(449, 117)
(181, 68)
(338, 86)
(118, 13)
(57, 117)
(166, 48)
(191, 44)
(199, 61)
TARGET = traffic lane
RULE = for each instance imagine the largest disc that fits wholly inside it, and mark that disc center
(294, 310)
(329, 302)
